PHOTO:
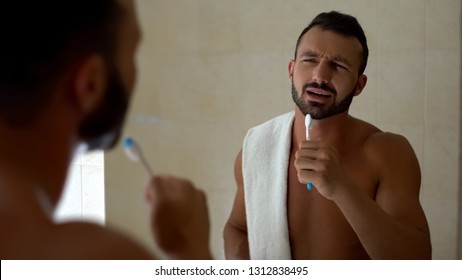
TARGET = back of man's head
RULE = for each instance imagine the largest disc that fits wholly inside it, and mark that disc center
(41, 40)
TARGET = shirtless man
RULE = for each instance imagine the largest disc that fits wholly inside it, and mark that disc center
(365, 199)
(66, 75)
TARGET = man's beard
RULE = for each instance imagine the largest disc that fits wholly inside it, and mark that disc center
(102, 128)
(317, 110)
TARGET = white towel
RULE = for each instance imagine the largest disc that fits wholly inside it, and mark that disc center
(265, 162)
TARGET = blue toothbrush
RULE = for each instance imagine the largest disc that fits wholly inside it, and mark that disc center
(308, 126)
(134, 152)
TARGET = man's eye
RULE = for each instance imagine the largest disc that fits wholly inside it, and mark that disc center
(340, 66)
(310, 60)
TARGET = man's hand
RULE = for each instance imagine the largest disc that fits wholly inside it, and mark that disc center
(319, 164)
(179, 218)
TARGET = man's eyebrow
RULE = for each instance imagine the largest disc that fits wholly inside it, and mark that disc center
(309, 53)
(337, 58)
(342, 59)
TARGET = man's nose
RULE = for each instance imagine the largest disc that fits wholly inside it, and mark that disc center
(322, 73)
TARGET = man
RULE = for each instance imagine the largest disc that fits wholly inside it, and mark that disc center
(365, 198)
(66, 74)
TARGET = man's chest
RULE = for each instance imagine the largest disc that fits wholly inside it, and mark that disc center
(317, 227)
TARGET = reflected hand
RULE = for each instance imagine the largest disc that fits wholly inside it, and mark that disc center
(318, 163)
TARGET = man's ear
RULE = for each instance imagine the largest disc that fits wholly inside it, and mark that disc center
(291, 69)
(362, 81)
(90, 82)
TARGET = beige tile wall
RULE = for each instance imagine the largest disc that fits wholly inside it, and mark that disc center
(209, 70)
(83, 196)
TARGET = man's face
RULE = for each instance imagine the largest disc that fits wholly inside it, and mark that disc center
(102, 128)
(325, 74)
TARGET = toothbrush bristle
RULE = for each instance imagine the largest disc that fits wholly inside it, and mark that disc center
(131, 149)
(307, 125)
(307, 120)
(128, 142)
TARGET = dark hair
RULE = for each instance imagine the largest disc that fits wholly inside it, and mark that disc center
(343, 24)
(40, 39)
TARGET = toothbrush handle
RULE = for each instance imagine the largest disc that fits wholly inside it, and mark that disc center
(308, 125)
(308, 185)
(146, 166)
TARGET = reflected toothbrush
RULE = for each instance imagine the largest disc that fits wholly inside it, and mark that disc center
(308, 126)
(134, 152)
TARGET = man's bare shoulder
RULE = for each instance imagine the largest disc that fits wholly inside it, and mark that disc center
(388, 151)
(388, 143)
(374, 138)
(97, 242)
(75, 240)
(29, 232)
(379, 145)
